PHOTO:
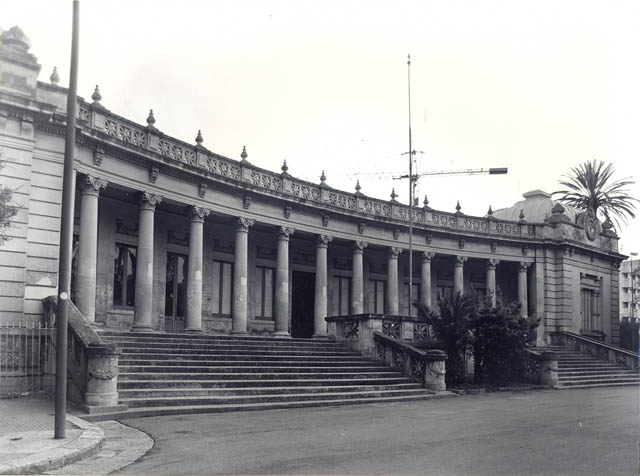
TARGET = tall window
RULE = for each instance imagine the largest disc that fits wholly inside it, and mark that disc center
(222, 286)
(124, 276)
(176, 287)
(265, 293)
(376, 296)
(344, 295)
(415, 296)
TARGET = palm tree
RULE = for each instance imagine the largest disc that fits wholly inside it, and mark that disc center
(589, 188)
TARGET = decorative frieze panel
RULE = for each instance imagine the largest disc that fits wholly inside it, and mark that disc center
(263, 180)
(444, 220)
(305, 191)
(342, 201)
(350, 329)
(372, 207)
(175, 152)
(225, 169)
(125, 133)
(391, 328)
(475, 225)
(508, 229)
(125, 229)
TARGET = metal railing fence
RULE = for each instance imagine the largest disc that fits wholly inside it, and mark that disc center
(26, 358)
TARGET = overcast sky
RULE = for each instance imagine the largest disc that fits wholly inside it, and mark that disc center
(537, 87)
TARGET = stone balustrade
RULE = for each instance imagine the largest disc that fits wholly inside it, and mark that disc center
(596, 348)
(92, 363)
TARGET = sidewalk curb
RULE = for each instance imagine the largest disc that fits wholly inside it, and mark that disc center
(87, 443)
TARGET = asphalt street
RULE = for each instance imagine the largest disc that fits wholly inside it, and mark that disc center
(548, 432)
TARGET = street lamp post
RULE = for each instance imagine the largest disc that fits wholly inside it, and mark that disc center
(633, 301)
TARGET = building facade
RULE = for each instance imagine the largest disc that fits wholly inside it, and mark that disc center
(169, 235)
(630, 289)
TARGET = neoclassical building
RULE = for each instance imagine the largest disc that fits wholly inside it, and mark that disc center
(169, 235)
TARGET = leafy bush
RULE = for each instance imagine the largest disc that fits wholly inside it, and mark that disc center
(497, 337)
(629, 335)
(451, 327)
(500, 339)
(7, 210)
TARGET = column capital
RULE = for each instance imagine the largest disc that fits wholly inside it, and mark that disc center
(427, 256)
(322, 241)
(492, 263)
(92, 185)
(393, 252)
(284, 232)
(243, 224)
(148, 201)
(359, 246)
(523, 266)
(459, 260)
(197, 213)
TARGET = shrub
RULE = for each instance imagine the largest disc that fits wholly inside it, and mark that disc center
(501, 337)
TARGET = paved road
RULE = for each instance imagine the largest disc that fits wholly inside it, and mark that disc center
(551, 432)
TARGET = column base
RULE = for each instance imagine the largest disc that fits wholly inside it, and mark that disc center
(281, 334)
(141, 328)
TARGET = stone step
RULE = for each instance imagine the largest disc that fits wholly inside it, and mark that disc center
(597, 385)
(196, 409)
(126, 335)
(594, 375)
(258, 383)
(310, 344)
(219, 351)
(239, 357)
(213, 370)
(228, 346)
(600, 380)
(284, 397)
(248, 376)
(245, 363)
(224, 391)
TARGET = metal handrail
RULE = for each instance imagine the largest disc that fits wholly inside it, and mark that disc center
(599, 343)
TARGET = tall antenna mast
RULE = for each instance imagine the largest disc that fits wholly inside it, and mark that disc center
(411, 153)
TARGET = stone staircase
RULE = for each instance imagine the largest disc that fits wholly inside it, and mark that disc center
(165, 374)
(578, 370)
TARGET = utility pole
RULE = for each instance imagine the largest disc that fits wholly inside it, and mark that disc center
(411, 153)
(66, 233)
(631, 275)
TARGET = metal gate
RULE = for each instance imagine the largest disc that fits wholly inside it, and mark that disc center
(25, 358)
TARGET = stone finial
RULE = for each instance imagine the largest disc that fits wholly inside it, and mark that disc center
(490, 211)
(96, 96)
(243, 154)
(557, 209)
(151, 120)
(458, 207)
(285, 167)
(557, 215)
(521, 217)
(199, 138)
(394, 195)
(323, 179)
(54, 78)
(425, 202)
(15, 38)
(358, 187)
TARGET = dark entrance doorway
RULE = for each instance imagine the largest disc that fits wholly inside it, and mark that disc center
(302, 302)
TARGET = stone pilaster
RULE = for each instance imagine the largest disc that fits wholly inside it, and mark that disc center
(282, 283)
(522, 288)
(392, 280)
(357, 278)
(425, 284)
(142, 319)
(458, 274)
(85, 292)
(240, 277)
(320, 306)
(194, 274)
(491, 279)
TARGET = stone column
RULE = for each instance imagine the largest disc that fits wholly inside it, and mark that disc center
(458, 274)
(142, 319)
(193, 321)
(392, 280)
(522, 288)
(85, 292)
(425, 285)
(357, 278)
(320, 306)
(282, 283)
(491, 279)
(240, 277)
